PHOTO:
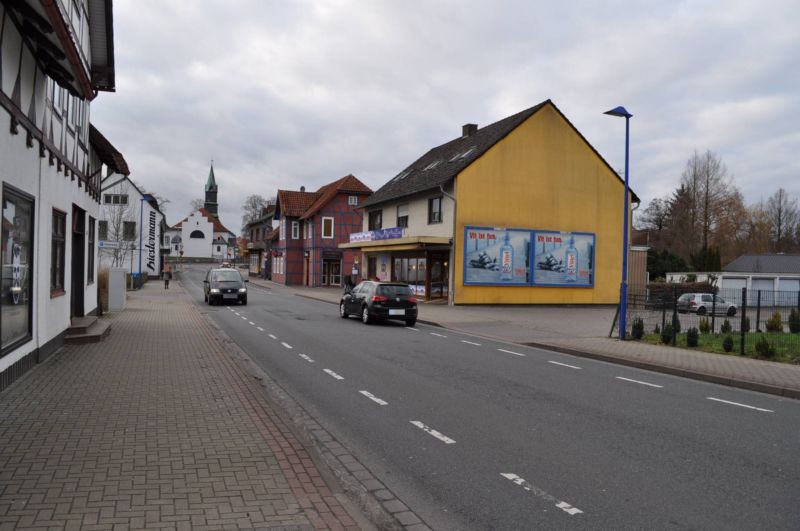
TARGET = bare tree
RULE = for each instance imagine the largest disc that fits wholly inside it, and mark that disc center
(253, 208)
(118, 225)
(783, 218)
(655, 216)
(197, 204)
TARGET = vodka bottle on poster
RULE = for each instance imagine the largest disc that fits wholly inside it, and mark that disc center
(571, 262)
(506, 260)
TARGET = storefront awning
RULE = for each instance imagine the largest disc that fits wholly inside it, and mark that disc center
(398, 244)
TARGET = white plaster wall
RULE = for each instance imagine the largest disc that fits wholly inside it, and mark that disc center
(23, 169)
(196, 247)
(417, 217)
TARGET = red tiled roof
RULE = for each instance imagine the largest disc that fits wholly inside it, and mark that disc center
(347, 184)
(293, 204)
(218, 226)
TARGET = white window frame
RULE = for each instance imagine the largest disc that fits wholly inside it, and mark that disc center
(333, 230)
(295, 230)
(352, 200)
(283, 228)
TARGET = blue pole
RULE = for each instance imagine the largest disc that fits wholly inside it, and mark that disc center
(623, 295)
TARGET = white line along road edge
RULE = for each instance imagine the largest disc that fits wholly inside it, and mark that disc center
(639, 382)
(536, 491)
(426, 429)
(564, 365)
(511, 352)
(740, 405)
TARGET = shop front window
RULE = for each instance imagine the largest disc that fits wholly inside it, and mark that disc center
(16, 255)
(411, 271)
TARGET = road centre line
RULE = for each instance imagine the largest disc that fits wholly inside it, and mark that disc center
(243, 317)
(639, 382)
(470, 343)
(374, 398)
(536, 491)
(430, 431)
(260, 329)
(308, 359)
(272, 336)
(437, 335)
(564, 365)
(252, 323)
(740, 405)
(333, 374)
(511, 352)
(287, 345)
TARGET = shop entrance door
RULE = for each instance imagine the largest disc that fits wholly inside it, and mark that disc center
(331, 273)
(439, 279)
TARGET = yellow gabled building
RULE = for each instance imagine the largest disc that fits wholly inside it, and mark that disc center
(522, 211)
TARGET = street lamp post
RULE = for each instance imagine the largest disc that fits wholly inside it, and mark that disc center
(623, 289)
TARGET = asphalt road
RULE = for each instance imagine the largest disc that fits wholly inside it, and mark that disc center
(477, 434)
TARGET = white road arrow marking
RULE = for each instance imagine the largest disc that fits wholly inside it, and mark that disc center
(333, 374)
(374, 398)
(426, 429)
(536, 491)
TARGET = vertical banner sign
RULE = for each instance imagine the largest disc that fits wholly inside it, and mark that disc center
(563, 259)
(496, 256)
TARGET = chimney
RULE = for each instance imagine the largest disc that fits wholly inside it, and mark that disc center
(302, 188)
(468, 130)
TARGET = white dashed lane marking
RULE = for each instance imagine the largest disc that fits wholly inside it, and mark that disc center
(639, 382)
(287, 345)
(437, 335)
(536, 491)
(740, 405)
(511, 352)
(308, 359)
(252, 323)
(564, 365)
(330, 372)
(273, 336)
(470, 343)
(260, 329)
(374, 398)
(412, 328)
(430, 431)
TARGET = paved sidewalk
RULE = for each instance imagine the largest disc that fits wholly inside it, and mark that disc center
(157, 427)
(583, 331)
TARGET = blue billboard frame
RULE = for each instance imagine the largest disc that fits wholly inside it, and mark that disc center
(484, 271)
(589, 259)
(484, 266)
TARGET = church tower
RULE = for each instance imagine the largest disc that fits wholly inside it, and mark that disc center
(211, 194)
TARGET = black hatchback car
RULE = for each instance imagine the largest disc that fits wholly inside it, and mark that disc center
(224, 286)
(378, 301)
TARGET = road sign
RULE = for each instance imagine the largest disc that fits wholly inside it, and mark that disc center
(104, 244)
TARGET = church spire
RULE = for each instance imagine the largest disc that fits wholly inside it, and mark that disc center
(211, 183)
(211, 193)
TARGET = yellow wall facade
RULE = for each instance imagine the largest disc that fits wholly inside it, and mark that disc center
(543, 176)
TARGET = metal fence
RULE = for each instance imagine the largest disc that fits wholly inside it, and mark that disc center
(749, 317)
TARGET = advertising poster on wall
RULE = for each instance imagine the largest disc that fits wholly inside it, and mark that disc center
(496, 256)
(563, 259)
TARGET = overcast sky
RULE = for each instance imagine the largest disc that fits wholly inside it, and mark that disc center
(284, 94)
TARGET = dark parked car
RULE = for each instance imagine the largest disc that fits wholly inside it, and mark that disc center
(373, 301)
(224, 285)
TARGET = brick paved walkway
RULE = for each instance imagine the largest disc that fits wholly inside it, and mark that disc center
(157, 427)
